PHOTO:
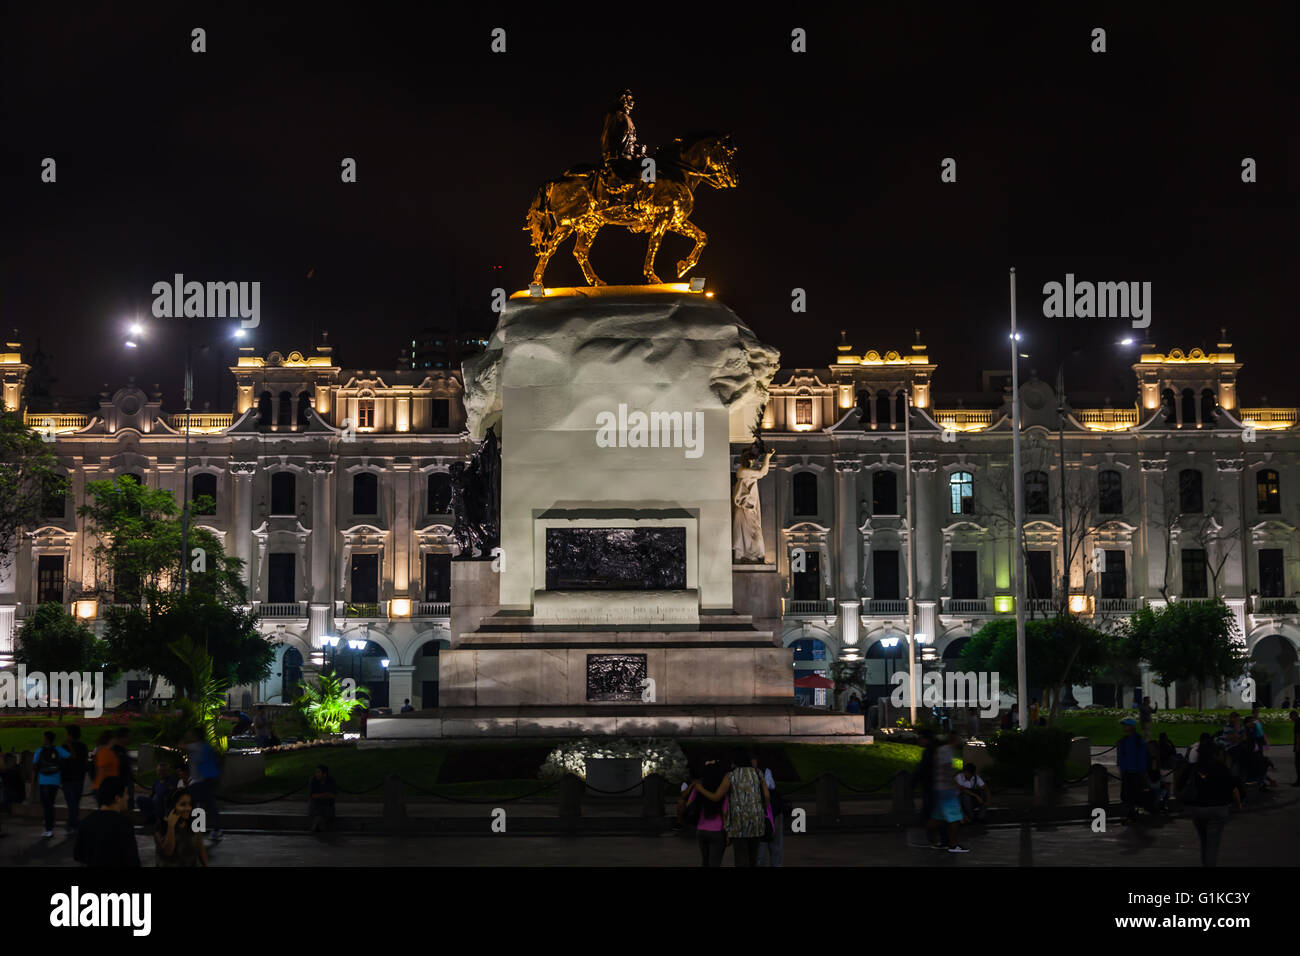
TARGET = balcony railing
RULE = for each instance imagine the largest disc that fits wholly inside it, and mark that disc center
(289, 609)
(1042, 605)
(349, 609)
(1273, 605)
(965, 605)
(1276, 417)
(1118, 605)
(201, 421)
(1107, 419)
(884, 606)
(55, 421)
(964, 419)
(433, 609)
(822, 606)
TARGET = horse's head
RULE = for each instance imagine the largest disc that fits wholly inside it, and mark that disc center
(713, 157)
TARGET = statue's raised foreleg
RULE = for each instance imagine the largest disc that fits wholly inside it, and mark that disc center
(690, 231)
(548, 248)
(652, 250)
(582, 248)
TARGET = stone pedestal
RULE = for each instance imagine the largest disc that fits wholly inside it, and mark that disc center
(756, 592)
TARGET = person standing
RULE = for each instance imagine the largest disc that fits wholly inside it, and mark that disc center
(947, 808)
(106, 838)
(1131, 756)
(709, 829)
(74, 774)
(104, 760)
(1146, 712)
(924, 776)
(204, 773)
(747, 814)
(771, 852)
(1207, 794)
(50, 761)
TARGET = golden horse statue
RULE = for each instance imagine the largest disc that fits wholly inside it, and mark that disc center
(587, 198)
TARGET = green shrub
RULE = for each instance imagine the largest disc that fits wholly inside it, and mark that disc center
(1018, 753)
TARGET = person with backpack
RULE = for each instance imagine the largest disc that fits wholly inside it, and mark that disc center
(74, 774)
(1210, 788)
(747, 815)
(103, 761)
(50, 760)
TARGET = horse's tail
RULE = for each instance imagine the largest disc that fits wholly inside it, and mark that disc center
(539, 221)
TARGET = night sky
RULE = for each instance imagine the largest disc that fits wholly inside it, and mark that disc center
(1122, 166)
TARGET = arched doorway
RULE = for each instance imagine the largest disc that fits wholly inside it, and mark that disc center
(884, 658)
(811, 656)
(369, 668)
(425, 678)
(290, 675)
(1273, 665)
(953, 651)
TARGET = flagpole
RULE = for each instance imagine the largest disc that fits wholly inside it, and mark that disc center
(1018, 550)
(911, 548)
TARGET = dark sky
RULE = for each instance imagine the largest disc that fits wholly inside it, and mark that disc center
(225, 166)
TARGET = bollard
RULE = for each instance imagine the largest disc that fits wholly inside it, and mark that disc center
(394, 806)
(828, 797)
(1098, 788)
(1044, 787)
(571, 787)
(652, 799)
(903, 802)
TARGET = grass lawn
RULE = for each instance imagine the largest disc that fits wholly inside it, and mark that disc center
(19, 739)
(1104, 731)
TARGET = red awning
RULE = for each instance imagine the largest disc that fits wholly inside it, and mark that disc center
(814, 680)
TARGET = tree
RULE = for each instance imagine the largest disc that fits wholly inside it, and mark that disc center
(1190, 640)
(27, 477)
(1059, 653)
(139, 543)
(52, 640)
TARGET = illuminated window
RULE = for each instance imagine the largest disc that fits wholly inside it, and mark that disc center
(962, 486)
(803, 411)
(1268, 492)
(365, 413)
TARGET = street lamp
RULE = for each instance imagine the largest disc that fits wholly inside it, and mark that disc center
(331, 641)
(1018, 557)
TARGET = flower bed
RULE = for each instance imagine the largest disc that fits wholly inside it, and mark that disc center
(663, 757)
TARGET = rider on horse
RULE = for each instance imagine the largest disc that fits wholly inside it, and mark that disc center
(619, 150)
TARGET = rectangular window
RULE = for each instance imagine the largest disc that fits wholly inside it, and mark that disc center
(365, 413)
(440, 410)
(54, 499)
(965, 581)
(1114, 579)
(279, 578)
(1038, 565)
(884, 575)
(803, 411)
(437, 577)
(806, 585)
(1194, 578)
(49, 578)
(1272, 582)
(365, 579)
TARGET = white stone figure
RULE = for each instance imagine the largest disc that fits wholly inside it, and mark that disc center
(746, 518)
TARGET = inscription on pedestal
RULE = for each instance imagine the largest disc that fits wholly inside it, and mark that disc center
(615, 676)
(615, 559)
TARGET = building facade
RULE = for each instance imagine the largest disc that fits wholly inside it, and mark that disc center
(332, 485)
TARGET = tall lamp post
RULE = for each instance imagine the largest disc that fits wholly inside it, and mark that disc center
(1018, 556)
(911, 549)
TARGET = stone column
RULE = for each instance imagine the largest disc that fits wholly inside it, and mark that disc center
(320, 595)
(1232, 579)
(846, 526)
(401, 529)
(401, 684)
(1154, 535)
(927, 520)
(242, 526)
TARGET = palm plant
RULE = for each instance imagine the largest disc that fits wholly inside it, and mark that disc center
(327, 704)
(207, 694)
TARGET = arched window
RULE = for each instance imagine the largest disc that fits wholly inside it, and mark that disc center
(1036, 496)
(1189, 492)
(884, 493)
(365, 494)
(1110, 493)
(264, 410)
(1268, 492)
(1169, 404)
(304, 403)
(882, 408)
(961, 484)
(283, 488)
(864, 407)
(204, 486)
(805, 494)
(440, 493)
(286, 411)
(900, 409)
(1208, 404)
(290, 675)
(1189, 406)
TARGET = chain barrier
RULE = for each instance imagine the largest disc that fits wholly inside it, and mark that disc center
(442, 796)
(253, 803)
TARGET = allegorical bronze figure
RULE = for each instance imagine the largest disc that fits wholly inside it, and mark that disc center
(621, 192)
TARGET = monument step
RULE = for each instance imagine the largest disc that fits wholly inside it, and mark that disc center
(521, 621)
(568, 637)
